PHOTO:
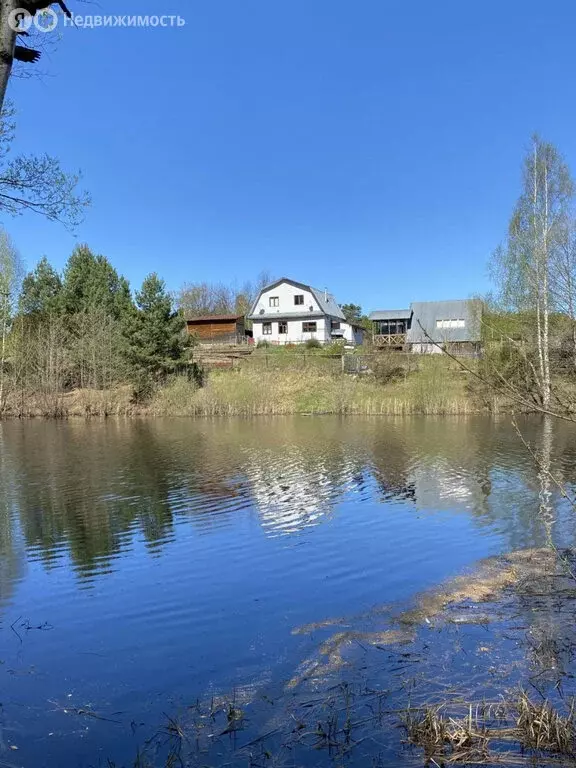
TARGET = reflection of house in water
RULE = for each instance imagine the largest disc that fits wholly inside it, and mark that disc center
(439, 485)
(291, 491)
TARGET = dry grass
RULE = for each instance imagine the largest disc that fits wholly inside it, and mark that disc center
(540, 727)
(436, 389)
(435, 386)
(448, 739)
(476, 733)
(79, 402)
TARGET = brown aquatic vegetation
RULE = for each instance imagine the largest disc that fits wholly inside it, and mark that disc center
(471, 733)
(486, 583)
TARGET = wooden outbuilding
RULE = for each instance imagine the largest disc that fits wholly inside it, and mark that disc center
(217, 329)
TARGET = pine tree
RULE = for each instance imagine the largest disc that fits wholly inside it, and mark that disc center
(156, 332)
(91, 282)
(41, 290)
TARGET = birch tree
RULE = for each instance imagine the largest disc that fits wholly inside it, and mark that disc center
(526, 266)
(10, 278)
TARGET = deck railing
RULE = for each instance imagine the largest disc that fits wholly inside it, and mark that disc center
(389, 340)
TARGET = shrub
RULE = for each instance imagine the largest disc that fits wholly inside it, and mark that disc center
(313, 344)
(505, 366)
(336, 348)
(387, 367)
(263, 344)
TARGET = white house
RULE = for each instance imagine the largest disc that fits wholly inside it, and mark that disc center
(287, 312)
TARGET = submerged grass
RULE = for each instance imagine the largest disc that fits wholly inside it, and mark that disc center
(410, 685)
(470, 733)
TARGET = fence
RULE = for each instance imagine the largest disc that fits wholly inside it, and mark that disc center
(327, 363)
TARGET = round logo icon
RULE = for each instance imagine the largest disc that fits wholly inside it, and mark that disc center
(20, 20)
(46, 20)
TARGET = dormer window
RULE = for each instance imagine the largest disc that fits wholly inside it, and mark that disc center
(274, 301)
(299, 299)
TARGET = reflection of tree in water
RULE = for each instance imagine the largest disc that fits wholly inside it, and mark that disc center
(12, 556)
(480, 467)
(88, 487)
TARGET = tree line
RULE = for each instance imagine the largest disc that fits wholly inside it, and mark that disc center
(83, 329)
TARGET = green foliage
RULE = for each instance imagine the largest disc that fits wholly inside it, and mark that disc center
(313, 344)
(91, 282)
(522, 269)
(352, 312)
(263, 344)
(41, 290)
(157, 342)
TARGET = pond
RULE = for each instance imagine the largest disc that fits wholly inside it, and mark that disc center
(165, 583)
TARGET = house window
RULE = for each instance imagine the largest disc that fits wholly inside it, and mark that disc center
(266, 329)
(335, 326)
(309, 327)
(282, 327)
(453, 323)
(274, 301)
(299, 299)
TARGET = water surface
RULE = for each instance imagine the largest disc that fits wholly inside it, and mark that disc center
(146, 565)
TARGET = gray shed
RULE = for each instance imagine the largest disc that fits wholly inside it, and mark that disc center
(455, 323)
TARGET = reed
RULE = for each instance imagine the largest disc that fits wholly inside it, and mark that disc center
(433, 390)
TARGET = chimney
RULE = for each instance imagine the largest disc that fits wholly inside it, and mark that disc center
(326, 295)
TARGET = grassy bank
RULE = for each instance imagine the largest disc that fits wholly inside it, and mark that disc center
(435, 386)
(434, 389)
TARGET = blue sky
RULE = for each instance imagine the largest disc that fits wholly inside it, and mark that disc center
(372, 147)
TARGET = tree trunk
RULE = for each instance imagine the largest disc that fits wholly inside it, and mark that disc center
(7, 43)
(537, 268)
(3, 349)
(545, 294)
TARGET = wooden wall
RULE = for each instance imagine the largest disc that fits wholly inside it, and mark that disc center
(217, 331)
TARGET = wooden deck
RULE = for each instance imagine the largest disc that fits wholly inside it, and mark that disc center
(389, 340)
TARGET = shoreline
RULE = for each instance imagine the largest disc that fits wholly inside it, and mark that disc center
(434, 391)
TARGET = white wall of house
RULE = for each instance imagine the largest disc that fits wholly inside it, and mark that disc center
(352, 333)
(281, 301)
(294, 331)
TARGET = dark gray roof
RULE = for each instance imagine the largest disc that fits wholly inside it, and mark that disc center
(391, 314)
(428, 313)
(327, 303)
